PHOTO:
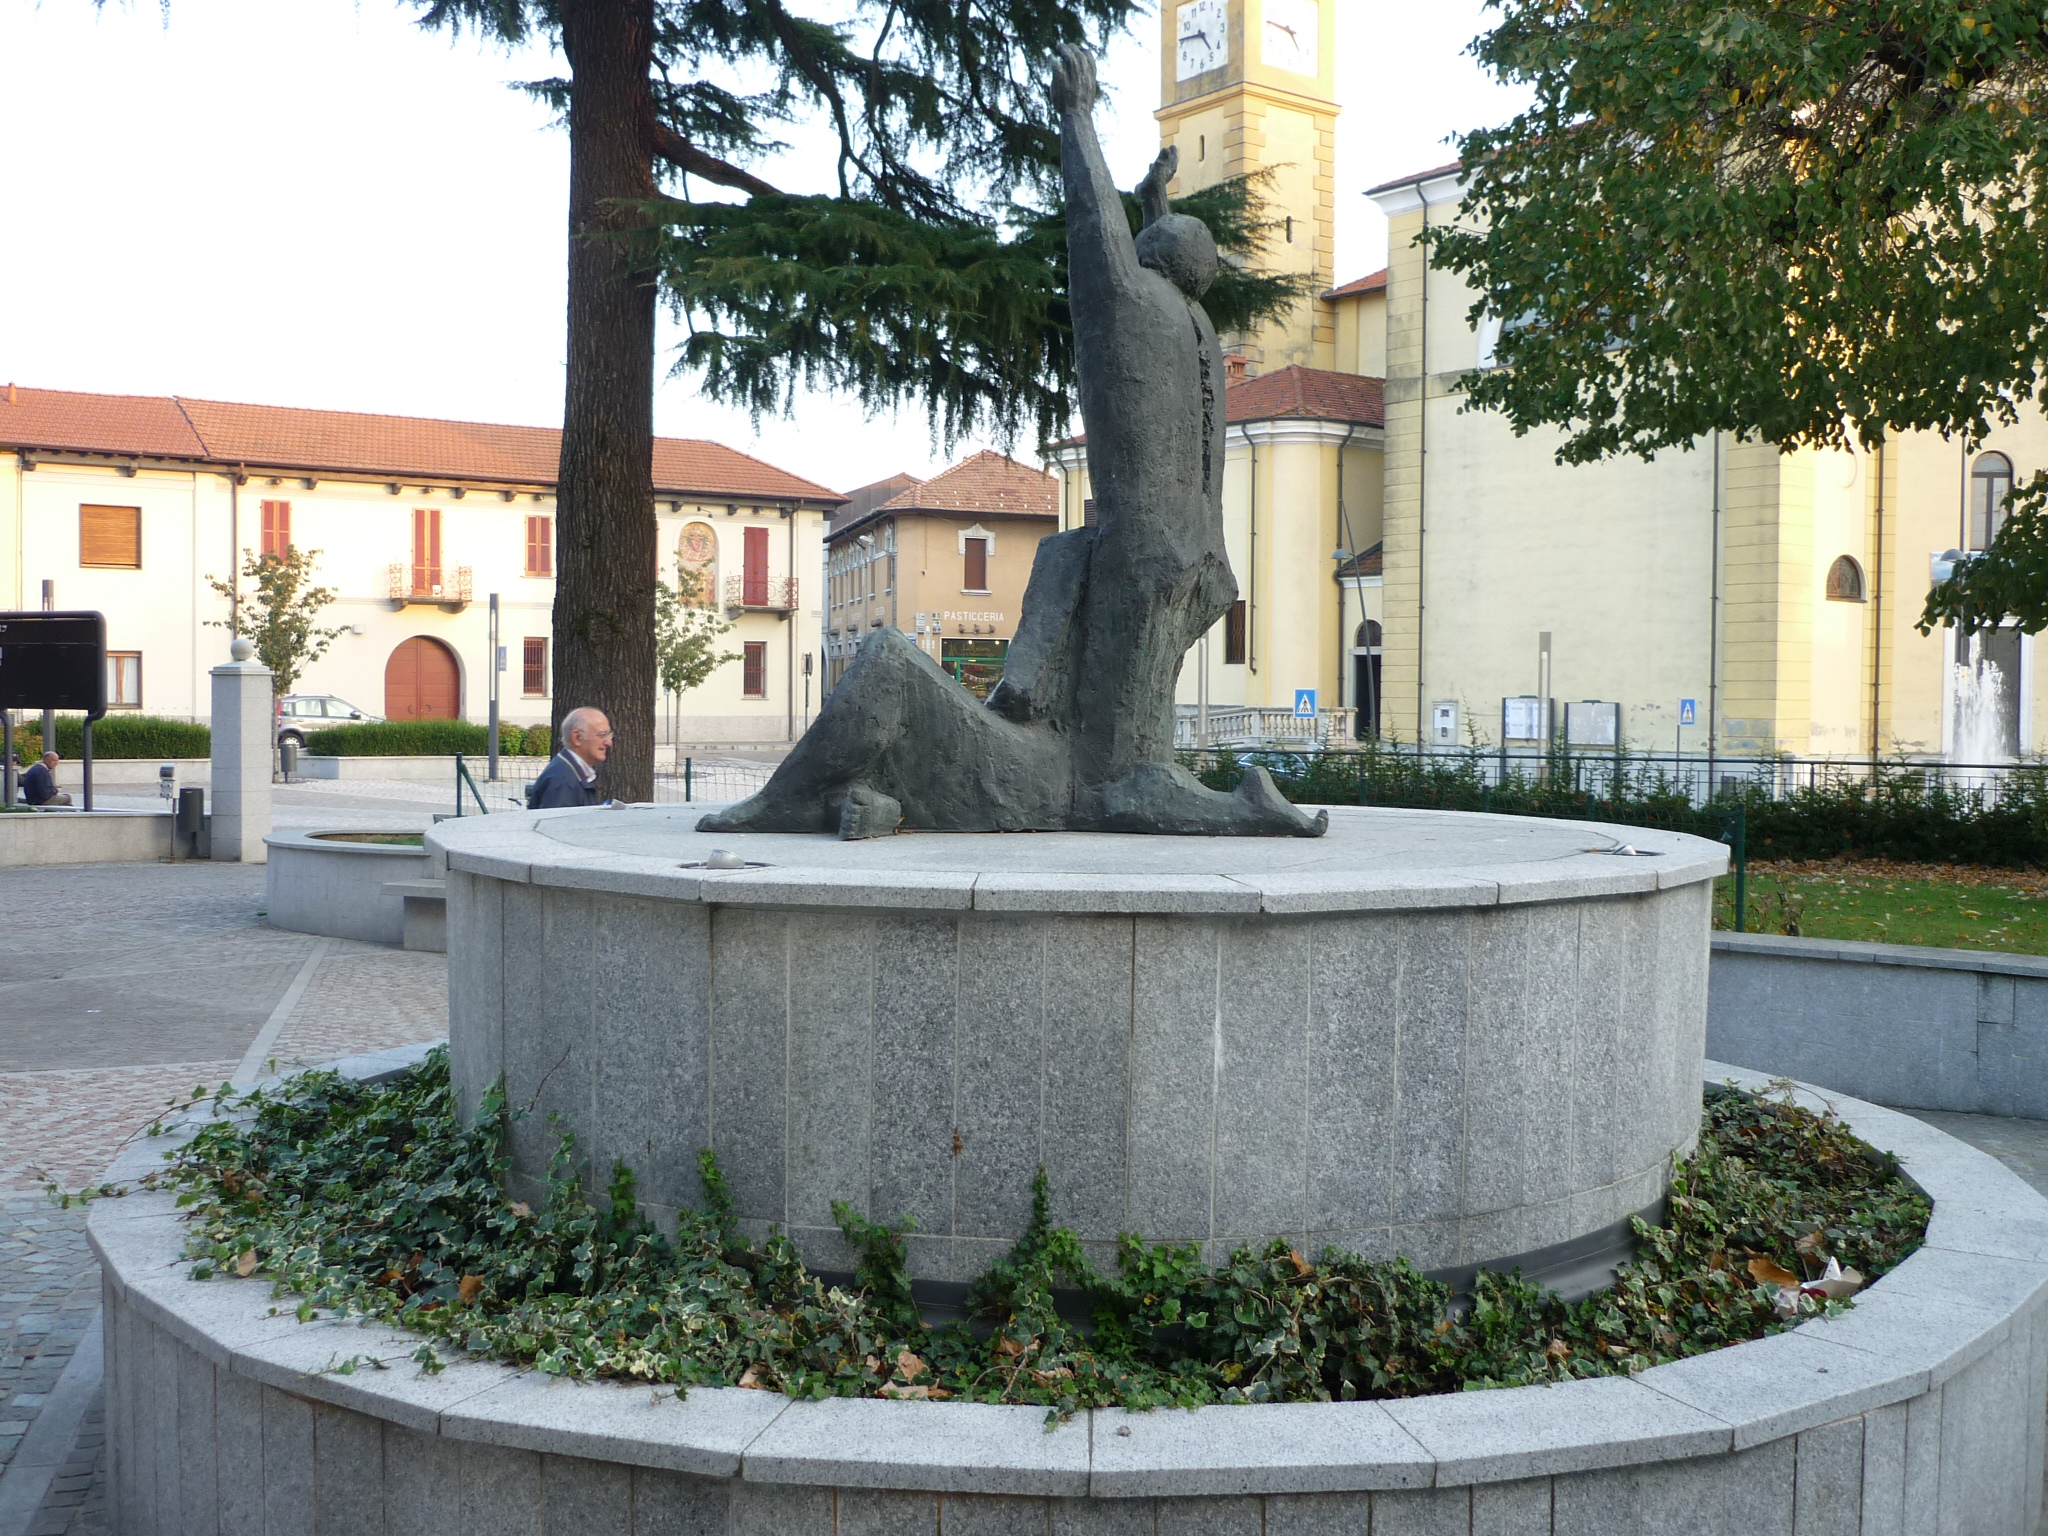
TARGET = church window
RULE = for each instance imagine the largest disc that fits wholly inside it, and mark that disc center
(1290, 229)
(1845, 581)
(1990, 485)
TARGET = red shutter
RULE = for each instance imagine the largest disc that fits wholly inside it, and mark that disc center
(755, 585)
(754, 677)
(540, 546)
(277, 528)
(426, 549)
(536, 665)
(977, 565)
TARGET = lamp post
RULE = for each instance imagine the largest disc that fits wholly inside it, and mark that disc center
(497, 666)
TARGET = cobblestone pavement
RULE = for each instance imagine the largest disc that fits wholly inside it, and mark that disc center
(123, 987)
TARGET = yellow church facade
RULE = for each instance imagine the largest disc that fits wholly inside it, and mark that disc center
(1776, 592)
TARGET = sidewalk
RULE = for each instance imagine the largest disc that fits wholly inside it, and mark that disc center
(123, 987)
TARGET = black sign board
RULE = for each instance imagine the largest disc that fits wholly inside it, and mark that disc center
(54, 661)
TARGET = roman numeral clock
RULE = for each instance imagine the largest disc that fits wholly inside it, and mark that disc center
(1249, 86)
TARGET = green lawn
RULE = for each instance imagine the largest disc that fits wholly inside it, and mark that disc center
(1951, 907)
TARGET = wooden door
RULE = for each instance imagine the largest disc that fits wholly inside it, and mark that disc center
(421, 682)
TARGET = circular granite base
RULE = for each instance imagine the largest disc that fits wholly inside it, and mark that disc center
(1460, 1038)
(1918, 1410)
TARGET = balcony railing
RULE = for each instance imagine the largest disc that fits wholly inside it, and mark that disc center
(776, 595)
(409, 584)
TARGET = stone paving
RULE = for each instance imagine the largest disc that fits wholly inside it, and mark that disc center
(122, 988)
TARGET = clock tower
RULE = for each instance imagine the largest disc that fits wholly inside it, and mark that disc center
(1251, 85)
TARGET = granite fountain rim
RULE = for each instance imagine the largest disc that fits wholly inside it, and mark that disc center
(1982, 1272)
(1372, 858)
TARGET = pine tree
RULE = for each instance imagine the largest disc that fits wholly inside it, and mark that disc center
(919, 277)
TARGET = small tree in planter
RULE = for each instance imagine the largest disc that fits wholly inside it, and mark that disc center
(279, 614)
(686, 633)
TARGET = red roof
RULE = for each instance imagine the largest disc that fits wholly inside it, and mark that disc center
(1429, 175)
(1372, 282)
(987, 482)
(1307, 394)
(350, 442)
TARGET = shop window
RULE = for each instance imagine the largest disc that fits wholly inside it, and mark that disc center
(1845, 581)
(277, 529)
(534, 666)
(110, 538)
(754, 668)
(1234, 647)
(975, 561)
(1990, 485)
(124, 679)
(540, 546)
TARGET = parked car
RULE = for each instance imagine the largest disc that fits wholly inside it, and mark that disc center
(298, 713)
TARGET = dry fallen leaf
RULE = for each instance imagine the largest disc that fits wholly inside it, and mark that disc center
(1559, 1350)
(896, 1389)
(1009, 1347)
(1301, 1265)
(469, 1287)
(245, 1266)
(1768, 1273)
(751, 1378)
(908, 1366)
(521, 1208)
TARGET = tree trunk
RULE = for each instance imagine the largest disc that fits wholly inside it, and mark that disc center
(605, 543)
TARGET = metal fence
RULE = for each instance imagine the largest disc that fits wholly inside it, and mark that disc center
(714, 780)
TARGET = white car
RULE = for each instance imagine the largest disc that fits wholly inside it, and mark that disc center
(299, 713)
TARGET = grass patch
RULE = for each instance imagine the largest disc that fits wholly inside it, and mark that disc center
(371, 1201)
(1945, 905)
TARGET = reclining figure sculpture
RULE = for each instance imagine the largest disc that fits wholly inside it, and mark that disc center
(1078, 735)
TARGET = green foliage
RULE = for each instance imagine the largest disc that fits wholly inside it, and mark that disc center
(373, 1200)
(820, 292)
(116, 736)
(1902, 812)
(278, 611)
(1789, 222)
(401, 738)
(686, 632)
(539, 741)
(2006, 582)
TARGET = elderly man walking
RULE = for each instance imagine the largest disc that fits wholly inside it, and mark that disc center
(570, 777)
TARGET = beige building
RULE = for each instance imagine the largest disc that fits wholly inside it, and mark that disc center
(1775, 592)
(132, 505)
(945, 560)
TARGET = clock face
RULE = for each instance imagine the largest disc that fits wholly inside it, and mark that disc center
(1290, 37)
(1201, 38)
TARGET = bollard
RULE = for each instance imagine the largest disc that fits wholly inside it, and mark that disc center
(191, 819)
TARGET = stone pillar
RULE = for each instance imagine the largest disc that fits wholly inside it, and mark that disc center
(242, 721)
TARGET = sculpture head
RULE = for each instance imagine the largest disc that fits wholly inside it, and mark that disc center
(1180, 249)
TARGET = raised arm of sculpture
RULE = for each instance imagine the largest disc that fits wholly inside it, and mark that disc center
(1101, 256)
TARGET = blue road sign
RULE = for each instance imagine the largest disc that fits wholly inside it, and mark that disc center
(1304, 703)
(1688, 711)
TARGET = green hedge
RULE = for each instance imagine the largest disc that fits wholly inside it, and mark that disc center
(1903, 813)
(116, 736)
(399, 738)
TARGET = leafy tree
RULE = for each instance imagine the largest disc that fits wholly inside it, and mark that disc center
(1797, 223)
(686, 634)
(278, 611)
(938, 116)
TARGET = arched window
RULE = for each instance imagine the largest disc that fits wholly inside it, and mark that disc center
(1845, 581)
(1369, 635)
(1990, 484)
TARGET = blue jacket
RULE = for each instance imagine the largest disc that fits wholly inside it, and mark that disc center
(559, 785)
(38, 785)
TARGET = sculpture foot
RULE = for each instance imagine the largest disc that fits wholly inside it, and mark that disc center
(868, 812)
(1158, 797)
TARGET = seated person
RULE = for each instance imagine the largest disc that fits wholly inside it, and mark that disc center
(39, 784)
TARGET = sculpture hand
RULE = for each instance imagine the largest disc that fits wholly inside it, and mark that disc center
(1152, 190)
(1073, 81)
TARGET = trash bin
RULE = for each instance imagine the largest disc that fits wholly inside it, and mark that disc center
(288, 758)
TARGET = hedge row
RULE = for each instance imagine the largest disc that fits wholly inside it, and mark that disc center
(425, 738)
(116, 736)
(1904, 812)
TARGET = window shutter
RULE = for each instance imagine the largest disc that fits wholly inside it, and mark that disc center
(540, 546)
(754, 681)
(110, 537)
(426, 549)
(755, 579)
(535, 667)
(277, 528)
(1233, 635)
(977, 565)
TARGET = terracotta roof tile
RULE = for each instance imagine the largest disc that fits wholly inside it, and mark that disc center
(1307, 394)
(351, 442)
(1367, 562)
(54, 419)
(1429, 175)
(987, 482)
(1372, 282)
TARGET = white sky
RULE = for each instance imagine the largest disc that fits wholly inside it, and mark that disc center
(314, 203)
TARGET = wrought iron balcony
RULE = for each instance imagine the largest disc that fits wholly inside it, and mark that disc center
(774, 595)
(448, 589)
